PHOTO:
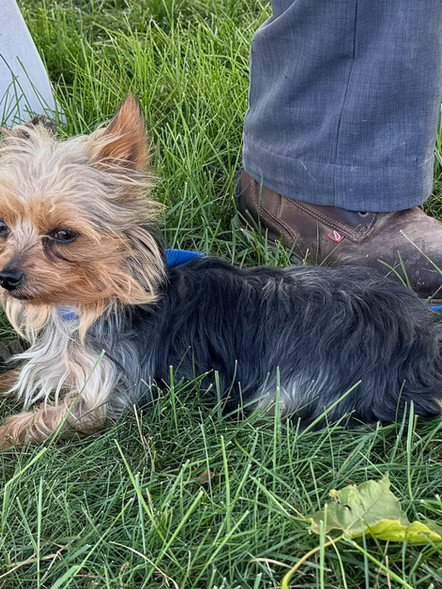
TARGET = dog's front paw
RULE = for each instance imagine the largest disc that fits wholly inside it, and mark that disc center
(14, 430)
(6, 439)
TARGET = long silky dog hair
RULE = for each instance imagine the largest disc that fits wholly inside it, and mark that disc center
(83, 271)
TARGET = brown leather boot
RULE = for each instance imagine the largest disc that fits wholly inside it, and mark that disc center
(406, 245)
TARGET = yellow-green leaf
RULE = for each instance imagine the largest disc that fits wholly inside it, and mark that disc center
(416, 532)
(371, 508)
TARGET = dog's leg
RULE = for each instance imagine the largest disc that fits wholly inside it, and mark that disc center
(71, 416)
(8, 379)
(80, 412)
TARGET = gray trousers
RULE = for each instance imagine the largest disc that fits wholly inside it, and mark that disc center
(344, 101)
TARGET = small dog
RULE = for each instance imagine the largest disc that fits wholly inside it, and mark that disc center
(83, 270)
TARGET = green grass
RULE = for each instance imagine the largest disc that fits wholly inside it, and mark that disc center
(180, 496)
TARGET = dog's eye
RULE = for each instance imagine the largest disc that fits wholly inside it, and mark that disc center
(4, 230)
(64, 235)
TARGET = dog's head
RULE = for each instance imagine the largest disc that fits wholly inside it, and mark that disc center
(74, 217)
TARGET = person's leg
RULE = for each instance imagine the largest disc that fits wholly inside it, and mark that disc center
(343, 108)
(344, 102)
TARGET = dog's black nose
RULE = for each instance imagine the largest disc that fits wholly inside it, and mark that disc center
(10, 278)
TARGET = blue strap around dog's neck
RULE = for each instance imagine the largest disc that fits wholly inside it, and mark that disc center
(67, 313)
(174, 257)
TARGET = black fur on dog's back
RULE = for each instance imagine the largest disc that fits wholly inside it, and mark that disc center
(316, 331)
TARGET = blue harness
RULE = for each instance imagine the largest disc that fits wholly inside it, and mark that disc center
(176, 257)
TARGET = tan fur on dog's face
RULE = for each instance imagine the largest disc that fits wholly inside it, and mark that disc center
(72, 216)
(64, 258)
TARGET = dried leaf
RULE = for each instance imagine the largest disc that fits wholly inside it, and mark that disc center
(205, 477)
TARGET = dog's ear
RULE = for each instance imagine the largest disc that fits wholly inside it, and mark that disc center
(123, 141)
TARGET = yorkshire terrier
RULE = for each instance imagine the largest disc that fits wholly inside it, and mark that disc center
(83, 270)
